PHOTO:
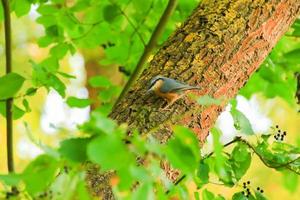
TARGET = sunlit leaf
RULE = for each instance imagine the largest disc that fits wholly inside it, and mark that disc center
(99, 81)
(13, 83)
(39, 174)
(21, 7)
(183, 151)
(78, 102)
(11, 179)
(241, 122)
(207, 195)
(107, 150)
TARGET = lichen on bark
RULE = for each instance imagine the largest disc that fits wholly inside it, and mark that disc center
(217, 48)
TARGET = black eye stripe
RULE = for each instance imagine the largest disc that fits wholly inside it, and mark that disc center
(153, 82)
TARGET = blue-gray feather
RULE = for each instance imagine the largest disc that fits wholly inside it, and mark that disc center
(171, 85)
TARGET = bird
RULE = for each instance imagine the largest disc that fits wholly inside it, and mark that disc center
(169, 89)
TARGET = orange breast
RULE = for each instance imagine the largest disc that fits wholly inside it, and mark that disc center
(168, 96)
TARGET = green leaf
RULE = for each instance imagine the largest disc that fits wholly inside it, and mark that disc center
(66, 75)
(59, 50)
(74, 149)
(240, 160)
(110, 152)
(259, 196)
(17, 112)
(222, 165)
(1, 12)
(203, 174)
(102, 123)
(78, 103)
(145, 191)
(26, 105)
(82, 191)
(45, 41)
(196, 196)
(13, 83)
(107, 95)
(50, 63)
(292, 57)
(206, 100)
(39, 174)
(21, 7)
(30, 91)
(99, 81)
(183, 150)
(11, 179)
(57, 84)
(239, 196)
(207, 195)
(219, 197)
(47, 9)
(241, 122)
(110, 12)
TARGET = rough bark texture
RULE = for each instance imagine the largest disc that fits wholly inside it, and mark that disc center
(218, 47)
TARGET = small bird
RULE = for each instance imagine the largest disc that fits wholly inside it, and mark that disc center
(169, 89)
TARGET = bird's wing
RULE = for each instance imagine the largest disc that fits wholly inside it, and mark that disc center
(171, 85)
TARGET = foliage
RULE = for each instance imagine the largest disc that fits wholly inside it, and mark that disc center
(122, 28)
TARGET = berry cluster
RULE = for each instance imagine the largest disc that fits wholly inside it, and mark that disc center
(279, 136)
(246, 186)
(246, 192)
(259, 190)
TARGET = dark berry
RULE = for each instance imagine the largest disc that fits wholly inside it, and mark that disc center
(244, 183)
(279, 131)
(248, 182)
(245, 186)
(284, 132)
(248, 190)
(258, 188)
(277, 126)
(261, 191)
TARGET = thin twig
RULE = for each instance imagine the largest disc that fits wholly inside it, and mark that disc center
(129, 21)
(9, 102)
(149, 47)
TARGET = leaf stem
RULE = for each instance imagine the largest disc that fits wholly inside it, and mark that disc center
(148, 48)
(9, 102)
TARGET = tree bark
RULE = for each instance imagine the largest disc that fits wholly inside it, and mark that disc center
(219, 46)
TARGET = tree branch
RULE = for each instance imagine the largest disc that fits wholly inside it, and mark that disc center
(149, 47)
(239, 139)
(9, 102)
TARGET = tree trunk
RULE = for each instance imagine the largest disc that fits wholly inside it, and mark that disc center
(218, 48)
